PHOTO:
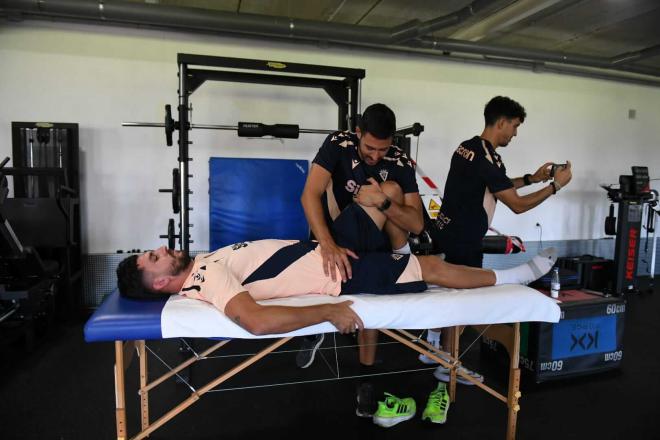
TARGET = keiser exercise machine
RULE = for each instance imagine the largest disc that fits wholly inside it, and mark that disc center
(632, 193)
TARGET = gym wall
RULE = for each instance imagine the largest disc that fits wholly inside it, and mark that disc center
(102, 76)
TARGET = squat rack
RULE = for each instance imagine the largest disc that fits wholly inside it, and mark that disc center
(341, 84)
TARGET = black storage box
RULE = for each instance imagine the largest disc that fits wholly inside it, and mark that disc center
(594, 273)
(587, 339)
(569, 278)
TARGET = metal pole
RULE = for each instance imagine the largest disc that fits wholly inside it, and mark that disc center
(653, 251)
(184, 238)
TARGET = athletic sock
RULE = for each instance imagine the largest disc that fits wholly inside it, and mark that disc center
(405, 249)
(433, 337)
(530, 271)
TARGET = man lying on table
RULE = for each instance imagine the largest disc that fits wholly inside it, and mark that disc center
(234, 277)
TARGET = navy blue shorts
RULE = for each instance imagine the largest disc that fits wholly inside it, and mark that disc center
(378, 272)
(355, 230)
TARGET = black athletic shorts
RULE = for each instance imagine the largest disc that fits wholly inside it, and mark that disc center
(355, 230)
(378, 272)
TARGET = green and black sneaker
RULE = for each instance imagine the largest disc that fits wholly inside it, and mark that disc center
(437, 405)
(394, 410)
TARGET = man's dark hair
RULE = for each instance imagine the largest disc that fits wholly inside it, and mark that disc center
(379, 120)
(502, 106)
(130, 283)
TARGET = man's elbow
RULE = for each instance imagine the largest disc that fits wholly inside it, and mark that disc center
(307, 197)
(255, 326)
(257, 329)
(516, 206)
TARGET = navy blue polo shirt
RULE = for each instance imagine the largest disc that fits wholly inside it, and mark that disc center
(339, 156)
(468, 206)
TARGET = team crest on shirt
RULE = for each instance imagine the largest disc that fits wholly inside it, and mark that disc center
(198, 277)
(397, 257)
(383, 174)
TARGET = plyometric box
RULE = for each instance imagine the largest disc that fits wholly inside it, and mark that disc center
(587, 339)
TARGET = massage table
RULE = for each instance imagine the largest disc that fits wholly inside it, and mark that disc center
(495, 311)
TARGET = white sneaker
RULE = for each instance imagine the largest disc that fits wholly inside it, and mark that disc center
(442, 374)
(426, 360)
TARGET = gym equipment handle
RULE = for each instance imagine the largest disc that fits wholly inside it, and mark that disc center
(256, 129)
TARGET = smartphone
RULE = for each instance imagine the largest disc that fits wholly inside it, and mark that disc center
(555, 166)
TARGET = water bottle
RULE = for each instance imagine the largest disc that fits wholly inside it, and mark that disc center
(555, 285)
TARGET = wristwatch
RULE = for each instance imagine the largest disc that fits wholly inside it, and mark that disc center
(527, 179)
(555, 186)
(385, 205)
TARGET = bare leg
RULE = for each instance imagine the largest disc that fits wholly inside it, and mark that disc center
(398, 237)
(438, 271)
(368, 338)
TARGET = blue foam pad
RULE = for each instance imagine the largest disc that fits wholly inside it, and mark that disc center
(121, 319)
(253, 199)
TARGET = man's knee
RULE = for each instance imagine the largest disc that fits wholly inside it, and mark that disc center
(392, 190)
(433, 268)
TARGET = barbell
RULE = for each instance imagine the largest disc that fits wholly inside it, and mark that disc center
(244, 129)
(252, 129)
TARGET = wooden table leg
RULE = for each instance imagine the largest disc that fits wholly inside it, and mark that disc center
(514, 384)
(144, 396)
(120, 399)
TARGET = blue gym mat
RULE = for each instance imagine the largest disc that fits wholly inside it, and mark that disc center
(253, 199)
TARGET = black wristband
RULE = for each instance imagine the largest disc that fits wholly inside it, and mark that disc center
(554, 188)
(385, 205)
(527, 179)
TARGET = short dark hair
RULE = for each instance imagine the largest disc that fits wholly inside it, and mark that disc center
(379, 120)
(131, 283)
(502, 106)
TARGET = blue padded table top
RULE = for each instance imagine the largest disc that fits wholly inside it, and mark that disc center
(121, 319)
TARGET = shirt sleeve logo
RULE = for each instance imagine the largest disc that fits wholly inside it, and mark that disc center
(465, 153)
(397, 155)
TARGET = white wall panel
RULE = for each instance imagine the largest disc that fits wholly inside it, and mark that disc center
(101, 76)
